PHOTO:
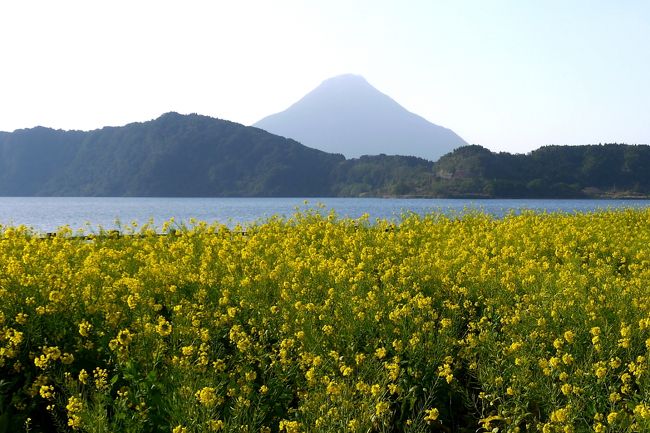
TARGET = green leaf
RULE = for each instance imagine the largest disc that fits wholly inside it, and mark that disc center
(4, 422)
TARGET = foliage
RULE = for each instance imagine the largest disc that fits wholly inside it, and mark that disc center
(198, 156)
(382, 175)
(533, 322)
(549, 172)
(173, 155)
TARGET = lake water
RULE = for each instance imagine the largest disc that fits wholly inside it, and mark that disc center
(46, 214)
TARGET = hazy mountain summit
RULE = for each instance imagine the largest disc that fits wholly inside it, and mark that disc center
(346, 115)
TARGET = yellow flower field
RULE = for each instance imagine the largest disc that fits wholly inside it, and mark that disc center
(531, 322)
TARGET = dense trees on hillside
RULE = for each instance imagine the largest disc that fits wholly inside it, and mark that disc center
(381, 175)
(173, 155)
(551, 171)
(178, 155)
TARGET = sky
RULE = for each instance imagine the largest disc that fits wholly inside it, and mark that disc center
(508, 75)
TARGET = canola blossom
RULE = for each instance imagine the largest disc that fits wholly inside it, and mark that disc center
(528, 323)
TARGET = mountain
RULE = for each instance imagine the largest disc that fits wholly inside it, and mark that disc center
(31, 158)
(346, 115)
(174, 155)
(191, 156)
(199, 156)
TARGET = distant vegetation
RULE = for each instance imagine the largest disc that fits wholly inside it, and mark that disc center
(610, 170)
(173, 155)
(381, 175)
(198, 156)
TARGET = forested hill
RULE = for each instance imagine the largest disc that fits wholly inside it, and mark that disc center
(609, 170)
(174, 155)
(198, 156)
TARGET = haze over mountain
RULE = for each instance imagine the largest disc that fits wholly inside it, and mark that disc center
(347, 115)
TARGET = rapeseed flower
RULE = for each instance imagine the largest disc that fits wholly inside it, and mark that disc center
(315, 323)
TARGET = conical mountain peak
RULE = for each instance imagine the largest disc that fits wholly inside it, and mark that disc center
(346, 114)
(346, 79)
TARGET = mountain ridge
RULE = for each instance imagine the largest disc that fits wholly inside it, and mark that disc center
(173, 155)
(199, 156)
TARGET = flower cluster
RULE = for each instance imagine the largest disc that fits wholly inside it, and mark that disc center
(530, 322)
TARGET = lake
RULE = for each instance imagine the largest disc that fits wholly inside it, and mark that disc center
(46, 214)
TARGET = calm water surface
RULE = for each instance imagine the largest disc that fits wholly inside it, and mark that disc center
(46, 214)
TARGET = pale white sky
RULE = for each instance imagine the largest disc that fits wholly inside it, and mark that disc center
(509, 75)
